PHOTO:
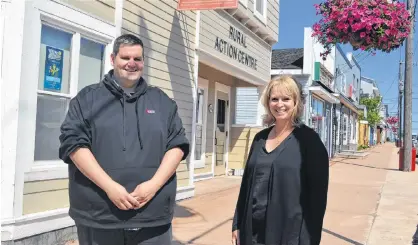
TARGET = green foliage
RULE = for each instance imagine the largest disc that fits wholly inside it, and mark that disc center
(362, 147)
(373, 109)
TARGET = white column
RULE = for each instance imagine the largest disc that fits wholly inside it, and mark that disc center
(14, 13)
(260, 109)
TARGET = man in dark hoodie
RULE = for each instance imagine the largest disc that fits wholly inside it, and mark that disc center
(123, 140)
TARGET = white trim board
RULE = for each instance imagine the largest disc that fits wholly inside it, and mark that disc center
(204, 176)
(194, 95)
(323, 94)
(38, 223)
(231, 69)
(202, 84)
(33, 224)
(185, 192)
(286, 72)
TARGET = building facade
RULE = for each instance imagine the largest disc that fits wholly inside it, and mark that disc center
(380, 132)
(201, 59)
(347, 82)
(317, 79)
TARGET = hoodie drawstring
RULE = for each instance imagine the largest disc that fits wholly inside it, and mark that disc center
(137, 123)
(124, 115)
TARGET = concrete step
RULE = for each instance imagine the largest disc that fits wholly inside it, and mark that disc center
(352, 154)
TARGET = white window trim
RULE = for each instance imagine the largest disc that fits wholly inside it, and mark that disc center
(261, 16)
(80, 25)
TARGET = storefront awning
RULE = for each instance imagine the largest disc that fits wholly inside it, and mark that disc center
(325, 95)
(349, 104)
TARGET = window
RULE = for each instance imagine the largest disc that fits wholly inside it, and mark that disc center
(343, 84)
(199, 124)
(345, 130)
(221, 112)
(63, 71)
(246, 105)
(260, 9)
(317, 116)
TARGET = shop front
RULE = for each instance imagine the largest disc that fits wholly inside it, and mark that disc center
(347, 116)
(322, 102)
(50, 51)
(233, 63)
(321, 116)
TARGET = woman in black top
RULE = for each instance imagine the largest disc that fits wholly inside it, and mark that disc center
(284, 188)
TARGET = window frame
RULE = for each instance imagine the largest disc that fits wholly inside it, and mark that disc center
(80, 26)
(261, 16)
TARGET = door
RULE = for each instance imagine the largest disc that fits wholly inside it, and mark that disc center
(327, 131)
(200, 124)
(221, 131)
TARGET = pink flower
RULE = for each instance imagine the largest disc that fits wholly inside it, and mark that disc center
(362, 34)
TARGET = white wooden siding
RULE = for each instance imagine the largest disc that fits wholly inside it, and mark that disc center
(216, 24)
(273, 18)
(102, 9)
(168, 36)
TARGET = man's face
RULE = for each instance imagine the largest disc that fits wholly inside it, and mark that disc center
(128, 63)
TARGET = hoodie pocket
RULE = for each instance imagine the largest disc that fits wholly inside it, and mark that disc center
(162, 204)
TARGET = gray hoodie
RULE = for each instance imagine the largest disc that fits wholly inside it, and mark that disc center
(129, 137)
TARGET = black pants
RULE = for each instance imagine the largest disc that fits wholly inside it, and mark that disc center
(415, 237)
(161, 235)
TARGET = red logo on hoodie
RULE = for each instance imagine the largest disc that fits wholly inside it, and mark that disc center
(150, 111)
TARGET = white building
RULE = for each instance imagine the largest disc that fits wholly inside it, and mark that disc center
(317, 79)
(199, 58)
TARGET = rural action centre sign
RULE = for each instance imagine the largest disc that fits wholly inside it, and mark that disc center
(206, 4)
(233, 52)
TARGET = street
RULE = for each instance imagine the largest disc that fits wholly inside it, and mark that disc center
(369, 202)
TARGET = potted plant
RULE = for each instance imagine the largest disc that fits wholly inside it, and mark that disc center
(369, 25)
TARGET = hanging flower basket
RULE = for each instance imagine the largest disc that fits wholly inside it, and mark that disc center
(369, 25)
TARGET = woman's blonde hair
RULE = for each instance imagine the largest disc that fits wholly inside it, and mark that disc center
(290, 87)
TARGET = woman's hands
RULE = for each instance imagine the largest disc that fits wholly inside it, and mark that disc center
(235, 237)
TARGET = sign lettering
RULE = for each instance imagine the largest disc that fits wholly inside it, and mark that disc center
(232, 51)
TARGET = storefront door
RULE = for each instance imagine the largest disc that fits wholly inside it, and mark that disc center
(221, 130)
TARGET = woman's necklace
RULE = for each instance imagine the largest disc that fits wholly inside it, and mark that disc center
(277, 139)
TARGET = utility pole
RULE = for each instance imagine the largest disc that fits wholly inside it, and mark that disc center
(401, 87)
(407, 150)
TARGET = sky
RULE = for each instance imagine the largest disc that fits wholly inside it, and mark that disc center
(383, 67)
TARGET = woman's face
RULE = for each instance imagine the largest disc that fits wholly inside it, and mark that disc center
(281, 105)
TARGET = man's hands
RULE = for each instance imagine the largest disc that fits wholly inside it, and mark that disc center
(120, 197)
(142, 194)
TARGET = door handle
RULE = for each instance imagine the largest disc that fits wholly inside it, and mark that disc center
(216, 141)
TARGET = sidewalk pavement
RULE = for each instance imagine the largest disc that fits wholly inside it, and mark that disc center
(370, 203)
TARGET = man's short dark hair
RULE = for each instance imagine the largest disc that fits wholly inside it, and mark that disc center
(127, 39)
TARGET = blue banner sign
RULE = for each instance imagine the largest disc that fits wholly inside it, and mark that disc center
(53, 69)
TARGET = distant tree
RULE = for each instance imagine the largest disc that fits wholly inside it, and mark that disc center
(373, 109)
